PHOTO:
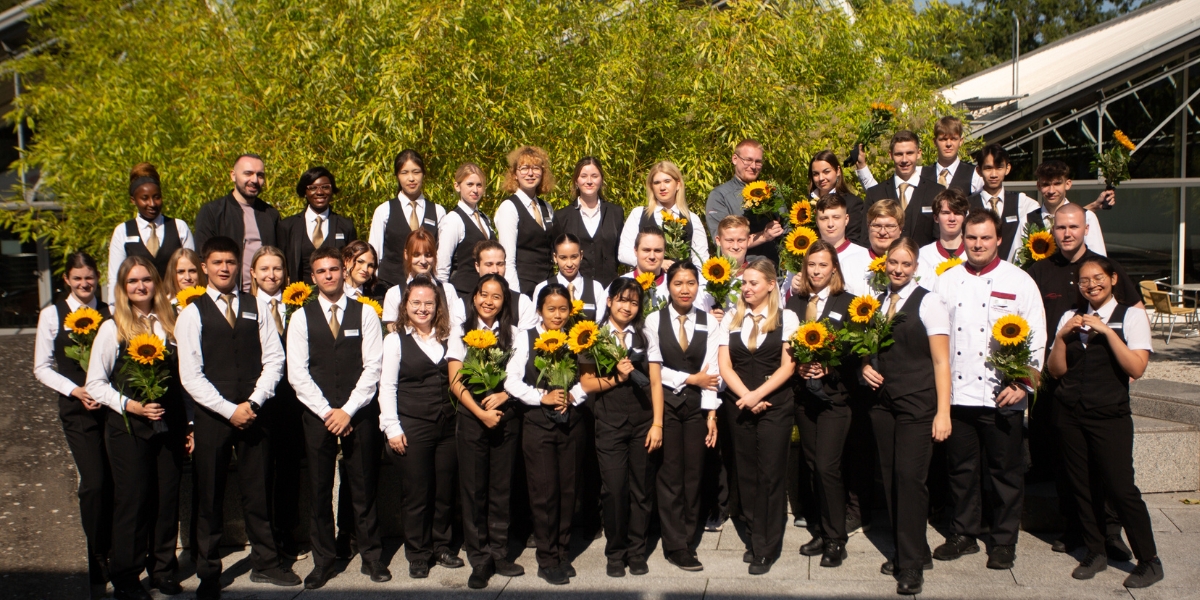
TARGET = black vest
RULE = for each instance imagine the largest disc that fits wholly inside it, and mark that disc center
(1008, 227)
(676, 359)
(1094, 379)
(65, 366)
(961, 179)
(232, 356)
(395, 236)
(648, 221)
(587, 294)
(304, 245)
(534, 244)
(175, 415)
(335, 364)
(627, 402)
(168, 244)
(599, 250)
(755, 368)
(1035, 217)
(907, 365)
(541, 415)
(837, 384)
(423, 382)
(463, 275)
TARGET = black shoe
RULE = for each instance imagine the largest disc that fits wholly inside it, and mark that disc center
(748, 557)
(1090, 565)
(1116, 549)
(761, 565)
(377, 570)
(616, 567)
(853, 523)
(814, 547)
(956, 546)
(131, 591)
(1002, 557)
(889, 567)
(553, 576)
(275, 576)
(209, 589)
(318, 577)
(448, 560)
(1066, 543)
(685, 560)
(346, 549)
(637, 565)
(418, 569)
(531, 543)
(568, 569)
(835, 553)
(1145, 574)
(479, 577)
(509, 569)
(909, 581)
(166, 587)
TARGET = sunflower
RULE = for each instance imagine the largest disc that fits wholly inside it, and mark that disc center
(1010, 330)
(576, 307)
(801, 213)
(582, 336)
(186, 295)
(146, 348)
(717, 270)
(1040, 245)
(373, 304)
(646, 279)
(799, 240)
(812, 335)
(667, 216)
(879, 265)
(948, 264)
(550, 341)
(480, 339)
(1123, 140)
(862, 308)
(755, 194)
(882, 106)
(297, 293)
(83, 320)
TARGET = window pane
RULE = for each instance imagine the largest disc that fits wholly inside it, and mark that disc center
(1140, 231)
(1191, 259)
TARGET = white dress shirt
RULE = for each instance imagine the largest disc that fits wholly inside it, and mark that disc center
(975, 302)
(790, 324)
(599, 294)
(1135, 327)
(929, 257)
(393, 297)
(383, 212)
(105, 350)
(389, 416)
(1094, 238)
(307, 391)
(677, 380)
(310, 223)
(265, 298)
(932, 311)
(591, 218)
(868, 180)
(188, 332)
(1025, 205)
(451, 232)
(116, 246)
(351, 292)
(627, 252)
(506, 222)
(457, 350)
(515, 383)
(855, 261)
(49, 323)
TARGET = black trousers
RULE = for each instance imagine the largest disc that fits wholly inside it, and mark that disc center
(216, 441)
(552, 460)
(146, 476)
(485, 471)
(718, 498)
(360, 454)
(760, 444)
(85, 433)
(427, 471)
(627, 476)
(287, 448)
(1098, 454)
(1050, 458)
(823, 430)
(680, 475)
(858, 460)
(905, 444)
(981, 434)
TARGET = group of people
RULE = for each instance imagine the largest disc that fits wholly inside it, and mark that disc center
(694, 424)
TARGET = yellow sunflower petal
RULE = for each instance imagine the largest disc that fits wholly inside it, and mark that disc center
(800, 240)
(576, 307)
(801, 213)
(297, 293)
(862, 308)
(812, 335)
(948, 264)
(373, 304)
(646, 279)
(1010, 330)
(1041, 245)
(187, 295)
(480, 339)
(582, 336)
(717, 270)
(83, 320)
(879, 265)
(146, 348)
(550, 341)
(1123, 140)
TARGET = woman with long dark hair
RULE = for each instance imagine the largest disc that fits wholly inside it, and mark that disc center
(361, 263)
(825, 177)
(594, 221)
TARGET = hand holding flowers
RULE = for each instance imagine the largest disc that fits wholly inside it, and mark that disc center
(82, 323)
(146, 372)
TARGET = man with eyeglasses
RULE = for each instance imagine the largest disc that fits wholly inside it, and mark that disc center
(241, 215)
(726, 200)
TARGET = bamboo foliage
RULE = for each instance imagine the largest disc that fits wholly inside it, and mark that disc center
(188, 85)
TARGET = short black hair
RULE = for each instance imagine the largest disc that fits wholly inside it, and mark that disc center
(565, 238)
(406, 155)
(996, 151)
(219, 243)
(81, 260)
(308, 177)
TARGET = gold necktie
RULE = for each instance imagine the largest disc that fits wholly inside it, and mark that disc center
(943, 176)
(620, 338)
(810, 312)
(413, 223)
(683, 341)
(895, 303)
(1049, 221)
(994, 201)
(334, 327)
(482, 229)
(152, 241)
(571, 291)
(904, 195)
(537, 213)
(318, 237)
(229, 315)
(275, 315)
(752, 345)
(148, 323)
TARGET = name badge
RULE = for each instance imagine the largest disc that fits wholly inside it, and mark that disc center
(1116, 325)
(251, 316)
(550, 218)
(431, 222)
(700, 327)
(1010, 219)
(835, 316)
(589, 307)
(1004, 296)
(339, 236)
(350, 332)
(927, 210)
(129, 239)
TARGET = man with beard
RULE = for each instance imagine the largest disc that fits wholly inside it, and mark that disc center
(241, 215)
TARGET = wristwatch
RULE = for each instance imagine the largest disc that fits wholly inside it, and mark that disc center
(254, 406)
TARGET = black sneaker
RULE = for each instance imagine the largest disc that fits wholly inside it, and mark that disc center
(131, 591)
(637, 565)
(553, 576)
(1090, 565)
(479, 577)
(568, 569)
(166, 587)
(209, 589)
(509, 569)
(280, 576)
(318, 577)
(1066, 543)
(889, 567)
(761, 565)
(814, 547)
(615, 568)
(1115, 548)
(418, 569)
(748, 557)
(909, 581)
(1002, 557)
(685, 560)
(956, 546)
(448, 560)
(853, 523)
(377, 570)
(1145, 574)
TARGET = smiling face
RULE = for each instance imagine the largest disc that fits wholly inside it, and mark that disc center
(148, 200)
(734, 242)
(589, 181)
(747, 163)
(249, 176)
(568, 257)
(82, 282)
(650, 250)
(139, 286)
(624, 308)
(489, 300)
(818, 268)
(268, 274)
(756, 289)
(328, 275)
(884, 231)
(683, 288)
(318, 194)
(1054, 191)
(982, 244)
(824, 176)
(901, 265)
(1095, 284)
(664, 187)
(491, 261)
(470, 189)
(361, 269)
(420, 262)
(529, 176)
(421, 307)
(554, 312)
(906, 156)
(412, 179)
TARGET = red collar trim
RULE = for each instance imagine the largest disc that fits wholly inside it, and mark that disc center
(984, 271)
(842, 248)
(948, 253)
(873, 255)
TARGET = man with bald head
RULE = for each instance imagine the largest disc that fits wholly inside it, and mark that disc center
(241, 215)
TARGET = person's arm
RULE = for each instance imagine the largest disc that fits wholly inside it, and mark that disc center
(1094, 238)
(699, 240)
(43, 352)
(273, 357)
(391, 304)
(939, 347)
(601, 295)
(655, 435)
(100, 366)
(507, 220)
(372, 356)
(671, 378)
(299, 376)
(206, 222)
(450, 234)
(976, 181)
(1056, 363)
(116, 256)
(191, 365)
(865, 177)
(379, 221)
(185, 235)
(515, 384)
(389, 416)
(1133, 362)
(626, 253)
(527, 317)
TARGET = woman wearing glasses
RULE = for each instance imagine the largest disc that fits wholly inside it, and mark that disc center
(316, 226)
(524, 221)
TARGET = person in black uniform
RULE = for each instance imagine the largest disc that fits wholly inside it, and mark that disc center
(316, 227)
(825, 177)
(394, 220)
(822, 410)
(756, 364)
(524, 221)
(360, 263)
(914, 192)
(1096, 352)
(146, 439)
(568, 258)
(462, 229)
(551, 438)
(679, 346)
(82, 417)
(594, 221)
(628, 431)
(150, 234)
(230, 359)
(489, 428)
(912, 379)
(419, 424)
(1012, 207)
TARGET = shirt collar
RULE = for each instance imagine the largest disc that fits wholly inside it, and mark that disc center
(948, 253)
(986, 196)
(404, 200)
(495, 325)
(215, 294)
(158, 221)
(309, 215)
(73, 303)
(905, 291)
(1106, 310)
(583, 209)
(325, 304)
(691, 314)
(352, 292)
(953, 168)
(986, 269)
(911, 181)
(525, 199)
(871, 251)
(267, 298)
(845, 244)
(466, 208)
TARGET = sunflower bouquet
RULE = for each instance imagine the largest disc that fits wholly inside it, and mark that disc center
(1012, 357)
(145, 371)
(1113, 164)
(719, 281)
(678, 246)
(365, 301)
(1036, 244)
(187, 295)
(878, 124)
(948, 264)
(650, 300)
(482, 369)
(556, 367)
(794, 247)
(868, 330)
(82, 323)
(765, 198)
(602, 346)
(878, 269)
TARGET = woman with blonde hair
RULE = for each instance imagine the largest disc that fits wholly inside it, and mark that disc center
(461, 229)
(664, 193)
(756, 363)
(183, 271)
(524, 221)
(147, 439)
